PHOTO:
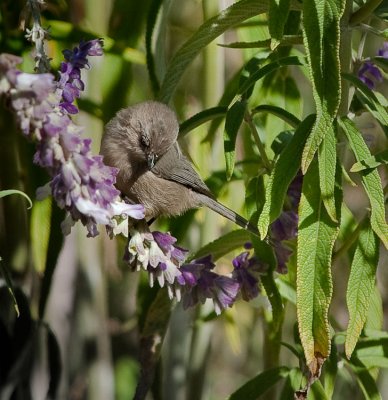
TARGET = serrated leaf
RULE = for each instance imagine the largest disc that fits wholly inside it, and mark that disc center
(223, 245)
(259, 384)
(375, 317)
(233, 121)
(279, 112)
(327, 158)
(282, 174)
(205, 34)
(8, 282)
(370, 179)
(371, 162)
(361, 285)
(40, 233)
(371, 100)
(316, 235)
(278, 14)
(200, 118)
(321, 22)
(8, 192)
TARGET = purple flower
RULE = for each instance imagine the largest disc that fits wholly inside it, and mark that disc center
(201, 283)
(282, 254)
(70, 84)
(156, 253)
(246, 273)
(81, 184)
(294, 191)
(369, 74)
(383, 51)
(285, 227)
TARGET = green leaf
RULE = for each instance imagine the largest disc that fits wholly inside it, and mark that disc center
(282, 174)
(278, 14)
(200, 118)
(375, 104)
(361, 285)
(316, 235)
(8, 192)
(286, 290)
(223, 245)
(279, 112)
(287, 40)
(330, 371)
(206, 33)
(321, 22)
(370, 180)
(40, 233)
(375, 317)
(234, 118)
(9, 284)
(372, 352)
(327, 166)
(267, 69)
(371, 162)
(259, 384)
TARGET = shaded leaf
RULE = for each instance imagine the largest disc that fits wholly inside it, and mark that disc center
(8, 192)
(9, 284)
(234, 118)
(279, 112)
(277, 17)
(205, 34)
(223, 245)
(259, 384)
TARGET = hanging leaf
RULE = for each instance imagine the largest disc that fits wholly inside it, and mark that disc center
(321, 21)
(4, 193)
(316, 235)
(361, 285)
(371, 162)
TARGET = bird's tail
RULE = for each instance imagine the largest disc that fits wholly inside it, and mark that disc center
(229, 214)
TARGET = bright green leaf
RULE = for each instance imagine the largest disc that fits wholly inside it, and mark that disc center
(8, 192)
(361, 285)
(327, 159)
(234, 118)
(371, 162)
(316, 235)
(259, 384)
(370, 179)
(282, 174)
(321, 22)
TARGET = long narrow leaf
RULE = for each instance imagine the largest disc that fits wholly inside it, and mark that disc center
(316, 235)
(321, 21)
(371, 180)
(361, 285)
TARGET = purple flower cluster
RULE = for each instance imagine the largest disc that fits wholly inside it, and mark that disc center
(194, 282)
(369, 73)
(81, 184)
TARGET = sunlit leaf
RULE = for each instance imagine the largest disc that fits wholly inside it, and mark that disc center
(371, 180)
(316, 235)
(361, 285)
(321, 22)
(371, 162)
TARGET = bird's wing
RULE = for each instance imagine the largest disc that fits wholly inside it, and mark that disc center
(174, 166)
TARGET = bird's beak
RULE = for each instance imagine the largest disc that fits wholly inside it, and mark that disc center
(151, 160)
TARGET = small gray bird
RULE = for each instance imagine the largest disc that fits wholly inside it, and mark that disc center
(141, 141)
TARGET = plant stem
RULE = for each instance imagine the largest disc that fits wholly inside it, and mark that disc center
(364, 12)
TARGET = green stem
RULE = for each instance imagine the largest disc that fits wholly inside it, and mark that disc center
(364, 12)
(249, 120)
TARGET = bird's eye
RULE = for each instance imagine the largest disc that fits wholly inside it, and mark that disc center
(145, 141)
